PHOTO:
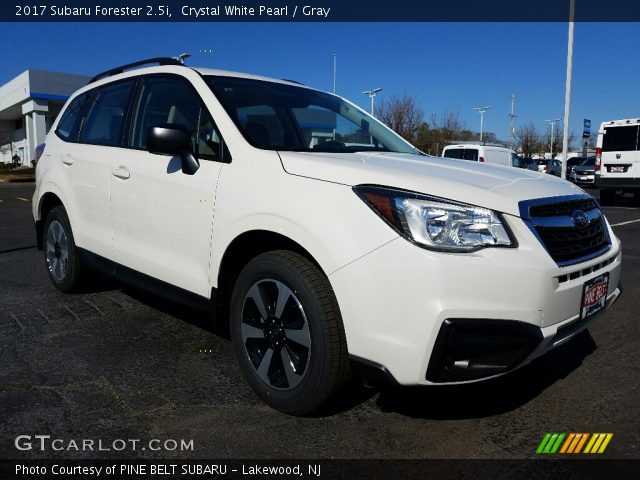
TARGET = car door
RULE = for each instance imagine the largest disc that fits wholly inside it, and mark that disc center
(619, 153)
(163, 218)
(86, 164)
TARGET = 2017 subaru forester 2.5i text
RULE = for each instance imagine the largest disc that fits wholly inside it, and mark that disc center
(328, 243)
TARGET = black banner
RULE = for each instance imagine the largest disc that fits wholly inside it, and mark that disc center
(318, 11)
(566, 469)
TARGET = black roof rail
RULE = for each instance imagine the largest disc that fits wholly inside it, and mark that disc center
(129, 66)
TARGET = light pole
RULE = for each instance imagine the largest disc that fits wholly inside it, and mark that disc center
(481, 111)
(335, 61)
(552, 123)
(567, 90)
(512, 116)
(372, 93)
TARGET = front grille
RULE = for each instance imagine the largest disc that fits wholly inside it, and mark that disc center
(567, 243)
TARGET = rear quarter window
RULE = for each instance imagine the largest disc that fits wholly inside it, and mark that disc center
(69, 123)
(620, 139)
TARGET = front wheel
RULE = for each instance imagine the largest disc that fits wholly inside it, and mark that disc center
(287, 332)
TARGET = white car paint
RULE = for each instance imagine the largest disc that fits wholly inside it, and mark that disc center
(392, 294)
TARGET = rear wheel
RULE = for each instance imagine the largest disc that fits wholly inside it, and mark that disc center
(66, 271)
(287, 332)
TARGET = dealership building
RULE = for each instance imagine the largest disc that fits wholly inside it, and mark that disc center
(29, 104)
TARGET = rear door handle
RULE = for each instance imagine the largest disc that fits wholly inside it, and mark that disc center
(121, 172)
(67, 159)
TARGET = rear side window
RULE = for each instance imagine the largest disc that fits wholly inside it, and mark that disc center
(103, 124)
(69, 123)
(620, 139)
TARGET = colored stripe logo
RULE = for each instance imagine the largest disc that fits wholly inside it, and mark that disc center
(573, 443)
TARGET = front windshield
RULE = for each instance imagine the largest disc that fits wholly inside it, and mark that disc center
(276, 116)
(589, 162)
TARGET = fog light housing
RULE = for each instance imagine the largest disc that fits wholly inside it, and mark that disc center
(470, 349)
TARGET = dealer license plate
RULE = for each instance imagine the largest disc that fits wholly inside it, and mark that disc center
(594, 296)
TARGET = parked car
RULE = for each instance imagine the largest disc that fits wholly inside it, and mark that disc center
(617, 168)
(584, 174)
(573, 162)
(240, 193)
(554, 167)
(542, 164)
(525, 162)
(481, 152)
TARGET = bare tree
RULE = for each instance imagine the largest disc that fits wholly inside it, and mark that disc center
(434, 135)
(450, 126)
(402, 114)
(557, 141)
(528, 139)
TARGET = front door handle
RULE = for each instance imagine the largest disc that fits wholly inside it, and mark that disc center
(67, 159)
(121, 172)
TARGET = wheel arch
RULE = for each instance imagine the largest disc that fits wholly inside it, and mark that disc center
(48, 202)
(241, 250)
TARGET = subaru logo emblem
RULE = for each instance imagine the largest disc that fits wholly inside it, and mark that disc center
(579, 219)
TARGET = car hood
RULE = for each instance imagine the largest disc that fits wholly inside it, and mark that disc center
(495, 187)
(584, 170)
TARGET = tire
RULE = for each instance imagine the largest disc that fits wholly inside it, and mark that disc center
(287, 332)
(65, 269)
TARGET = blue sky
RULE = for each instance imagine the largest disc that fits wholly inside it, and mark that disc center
(448, 67)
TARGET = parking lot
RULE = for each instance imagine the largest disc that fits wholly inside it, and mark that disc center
(116, 363)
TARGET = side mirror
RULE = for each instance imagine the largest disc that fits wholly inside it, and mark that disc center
(172, 139)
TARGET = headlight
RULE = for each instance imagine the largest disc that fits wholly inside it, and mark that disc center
(435, 223)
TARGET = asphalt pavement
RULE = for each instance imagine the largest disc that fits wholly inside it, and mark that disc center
(116, 363)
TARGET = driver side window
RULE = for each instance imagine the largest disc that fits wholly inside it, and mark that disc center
(165, 100)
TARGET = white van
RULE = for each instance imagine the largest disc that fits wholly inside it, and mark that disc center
(483, 153)
(618, 158)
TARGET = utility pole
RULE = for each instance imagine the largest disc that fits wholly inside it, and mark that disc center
(334, 73)
(481, 111)
(372, 93)
(512, 117)
(567, 92)
(552, 123)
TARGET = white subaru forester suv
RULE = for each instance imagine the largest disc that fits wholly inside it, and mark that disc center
(326, 242)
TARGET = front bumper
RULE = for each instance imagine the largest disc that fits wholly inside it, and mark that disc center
(395, 300)
(583, 179)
